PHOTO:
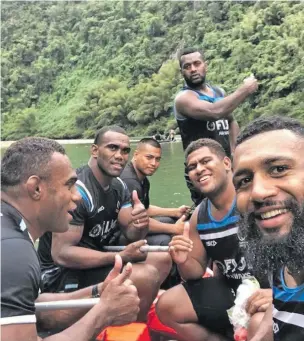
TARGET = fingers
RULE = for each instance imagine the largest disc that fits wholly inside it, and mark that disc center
(186, 230)
(135, 198)
(116, 269)
(138, 244)
(183, 218)
(126, 273)
(258, 300)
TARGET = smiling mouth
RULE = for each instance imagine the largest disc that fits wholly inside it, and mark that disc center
(204, 178)
(271, 214)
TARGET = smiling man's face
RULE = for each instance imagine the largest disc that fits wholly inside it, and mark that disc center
(269, 176)
(269, 180)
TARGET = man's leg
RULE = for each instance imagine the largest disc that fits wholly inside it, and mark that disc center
(180, 311)
(146, 277)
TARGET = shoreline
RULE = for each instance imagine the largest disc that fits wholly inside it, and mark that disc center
(6, 144)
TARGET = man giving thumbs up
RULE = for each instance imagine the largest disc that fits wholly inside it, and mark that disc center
(76, 259)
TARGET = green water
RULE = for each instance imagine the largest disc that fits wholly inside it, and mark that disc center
(168, 188)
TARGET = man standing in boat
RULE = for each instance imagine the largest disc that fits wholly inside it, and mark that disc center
(163, 222)
(76, 259)
(201, 311)
(203, 111)
(38, 193)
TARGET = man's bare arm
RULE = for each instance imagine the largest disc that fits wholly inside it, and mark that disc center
(188, 103)
(265, 332)
(234, 131)
(66, 253)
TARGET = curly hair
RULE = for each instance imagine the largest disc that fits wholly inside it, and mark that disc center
(27, 157)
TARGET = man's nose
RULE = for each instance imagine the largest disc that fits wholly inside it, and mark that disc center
(200, 168)
(262, 188)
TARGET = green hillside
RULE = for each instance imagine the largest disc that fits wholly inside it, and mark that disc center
(69, 68)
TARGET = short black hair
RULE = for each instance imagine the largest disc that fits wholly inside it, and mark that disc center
(27, 157)
(149, 140)
(101, 132)
(189, 50)
(213, 145)
(270, 123)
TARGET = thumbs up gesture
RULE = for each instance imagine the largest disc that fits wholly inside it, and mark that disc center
(140, 218)
(119, 295)
(181, 245)
(179, 225)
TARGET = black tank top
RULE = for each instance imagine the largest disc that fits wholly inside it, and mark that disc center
(222, 244)
(192, 129)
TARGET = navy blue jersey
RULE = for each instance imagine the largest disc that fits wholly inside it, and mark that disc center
(288, 312)
(20, 269)
(97, 211)
(222, 244)
(192, 129)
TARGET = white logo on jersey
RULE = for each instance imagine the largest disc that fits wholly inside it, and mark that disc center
(211, 243)
(101, 208)
(102, 230)
(220, 125)
(275, 327)
(242, 241)
(230, 266)
(96, 231)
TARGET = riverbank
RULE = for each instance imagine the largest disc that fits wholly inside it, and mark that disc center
(6, 144)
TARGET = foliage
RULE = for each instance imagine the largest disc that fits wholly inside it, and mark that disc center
(69, 68)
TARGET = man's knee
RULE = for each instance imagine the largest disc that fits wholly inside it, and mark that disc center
(174, 306)
(145, 275)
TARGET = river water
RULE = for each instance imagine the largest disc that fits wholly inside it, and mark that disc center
(168, 188)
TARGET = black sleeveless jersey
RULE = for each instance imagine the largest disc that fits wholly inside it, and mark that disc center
(222, 244)
(97, 211)
(288, 311)
(192, 129)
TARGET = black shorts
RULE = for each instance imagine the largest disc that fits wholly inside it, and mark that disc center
(211, 297)
(68, 280)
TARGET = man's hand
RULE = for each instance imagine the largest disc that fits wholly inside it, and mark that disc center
(179, 225)
(181, 245)
(251, 84)
(182, 210)
(259, 301)
(119, 295)
(132, 252)
(140, 218)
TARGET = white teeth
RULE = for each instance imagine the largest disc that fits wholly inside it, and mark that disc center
(204, 178)
(273, 213)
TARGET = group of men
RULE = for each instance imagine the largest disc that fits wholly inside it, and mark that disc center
(250, 222)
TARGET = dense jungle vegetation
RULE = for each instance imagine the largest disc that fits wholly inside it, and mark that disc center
(69, 68)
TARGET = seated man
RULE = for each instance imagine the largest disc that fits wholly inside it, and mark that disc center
(76, 259)
(37, 193)
(269, 181)
(212, 235)
(145, 162)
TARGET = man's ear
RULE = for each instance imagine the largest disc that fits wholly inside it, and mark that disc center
(135, 154)
(94, 151)
(227, 163)
(34, 187)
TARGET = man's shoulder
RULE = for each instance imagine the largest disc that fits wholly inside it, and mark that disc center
(119, 185)
(128, 172)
